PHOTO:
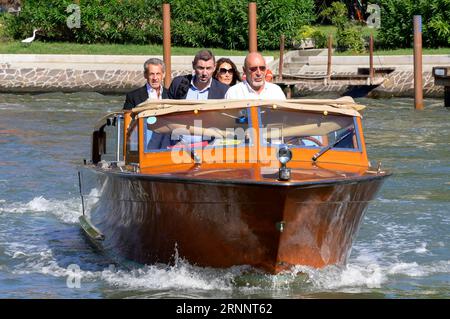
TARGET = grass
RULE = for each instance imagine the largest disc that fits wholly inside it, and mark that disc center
(366, 31)
(37, 47)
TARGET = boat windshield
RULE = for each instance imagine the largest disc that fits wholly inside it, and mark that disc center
(306, 129)
(218, 128)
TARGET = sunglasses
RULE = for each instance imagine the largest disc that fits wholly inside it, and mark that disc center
(262, 68)
(223, 71)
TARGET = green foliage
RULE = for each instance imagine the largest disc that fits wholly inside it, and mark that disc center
(439, 25)
(210, 23)
(336, 14)
(113, 21)
(225, 23)
(195, 23)
(3, 34)
(306, 31)
(282, 17)
(349, 38)
(397, 22)
(349, 35)
(320, 39)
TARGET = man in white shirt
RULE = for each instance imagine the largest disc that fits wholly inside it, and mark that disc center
(154, 70)
(255, 85)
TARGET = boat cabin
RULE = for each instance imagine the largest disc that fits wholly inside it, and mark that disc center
(178, 135)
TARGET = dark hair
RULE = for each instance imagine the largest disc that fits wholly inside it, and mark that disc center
(204, 55)
(236, 74)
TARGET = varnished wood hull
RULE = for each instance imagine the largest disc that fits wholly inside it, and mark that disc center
(270, 226)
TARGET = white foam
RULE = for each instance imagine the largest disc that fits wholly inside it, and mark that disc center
(67, 211)
(92, 198)
(387, 200)
(19, 254)
(352, 276)
(11, 106)
(415, 197)
(371, 269)
(40, 259)
(359, 275)
(422, 249)
(440, 244)
(408, 269)
(161, 277)
(39, 204)
(371, 275)
(158, 277)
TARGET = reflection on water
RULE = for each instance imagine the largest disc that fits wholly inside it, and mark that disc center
(401, 250)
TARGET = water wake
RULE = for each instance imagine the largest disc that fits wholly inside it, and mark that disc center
(67, 210)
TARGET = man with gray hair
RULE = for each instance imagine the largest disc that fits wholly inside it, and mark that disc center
(154, 70)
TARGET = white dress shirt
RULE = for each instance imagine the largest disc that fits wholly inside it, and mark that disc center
(153, 94)
(243, 90)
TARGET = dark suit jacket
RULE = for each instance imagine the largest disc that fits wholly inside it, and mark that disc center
(138, 96)
(180, 85)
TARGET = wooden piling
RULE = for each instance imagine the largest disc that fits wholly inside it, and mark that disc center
(280, 64)
(252, 34)
(167, 44)
(371, 70)
(418, 87)
(330, 51)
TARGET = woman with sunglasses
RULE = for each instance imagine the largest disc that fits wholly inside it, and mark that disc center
(226, 72)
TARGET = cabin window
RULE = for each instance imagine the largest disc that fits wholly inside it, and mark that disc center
(307, 129)
(108, 141)
(133, 142)
(114, 140)
(204, 129)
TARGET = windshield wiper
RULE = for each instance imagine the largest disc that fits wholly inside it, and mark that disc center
(328, 147)
(190, 150)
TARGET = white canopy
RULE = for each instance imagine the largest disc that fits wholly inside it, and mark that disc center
(344, 105)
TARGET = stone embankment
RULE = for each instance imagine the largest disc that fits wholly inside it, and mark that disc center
(20, 73)
(114, 74)
(73, 73)
(310, 66)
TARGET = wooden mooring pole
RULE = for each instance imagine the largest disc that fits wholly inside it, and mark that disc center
(418, 87)
(167, 44)
(371, 71)
(280, 64)
(252, 35)
(330, 51)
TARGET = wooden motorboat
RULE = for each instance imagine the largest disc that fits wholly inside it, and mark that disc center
(270, 184)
